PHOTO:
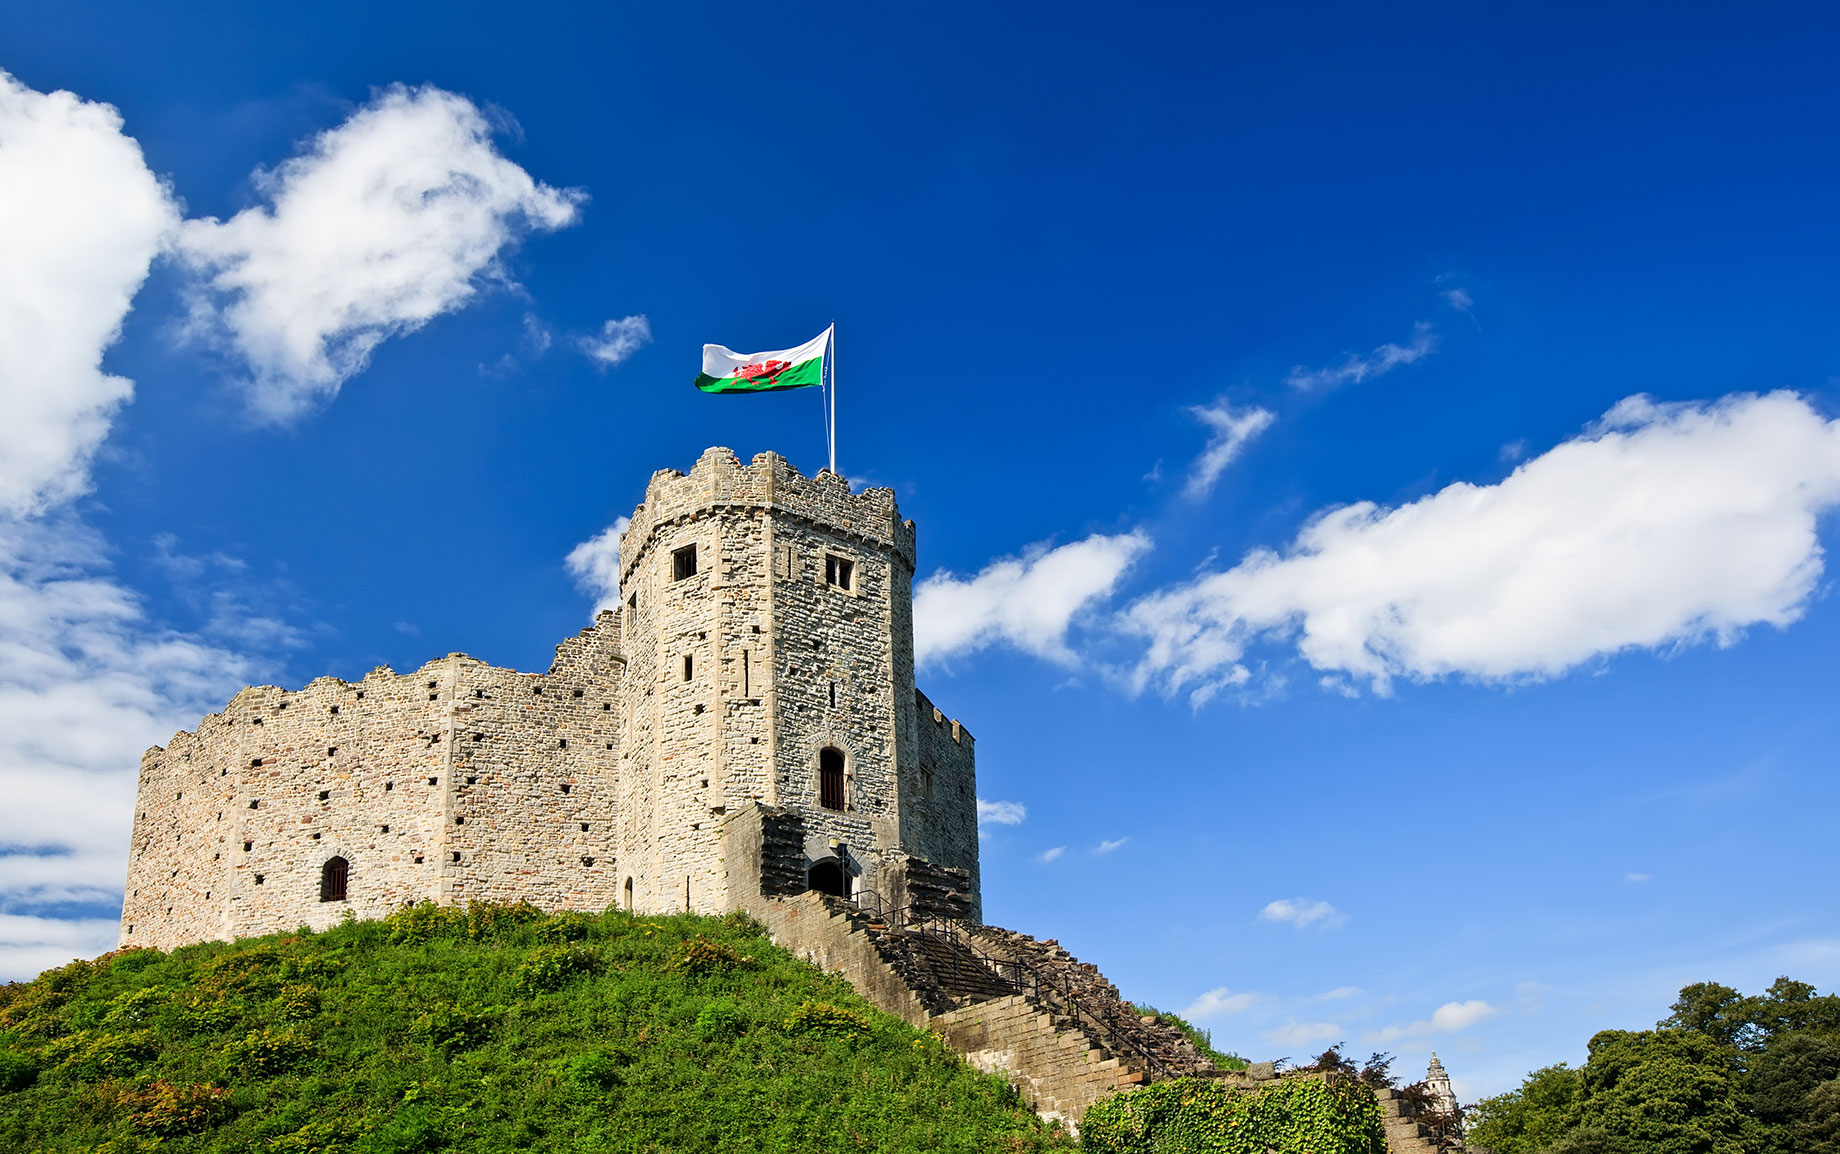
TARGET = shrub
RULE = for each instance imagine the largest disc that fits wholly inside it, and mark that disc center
(269, 1051)
(824, 1018)
(90, 1055)
(298, 1002)
(451, 1028)
(553, 967)
(596, 1070)
(165, 1109)
(423, 922)
(700, 956)
(718, 1020)
(17, 1070)
(1197, 1116)
(564, 927)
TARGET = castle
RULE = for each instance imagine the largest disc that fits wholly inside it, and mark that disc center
(742, 732)
(761, 663)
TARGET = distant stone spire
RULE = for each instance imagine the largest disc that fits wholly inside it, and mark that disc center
(1438, 1083)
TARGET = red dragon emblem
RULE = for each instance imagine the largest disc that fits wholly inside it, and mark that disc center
(768, 371)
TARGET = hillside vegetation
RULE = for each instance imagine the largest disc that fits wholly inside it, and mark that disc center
(491, 1028)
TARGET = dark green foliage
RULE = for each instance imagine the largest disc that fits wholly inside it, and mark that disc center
(487, 1029)
(1296, 1115)
(17, 1070)
(1722, 1074)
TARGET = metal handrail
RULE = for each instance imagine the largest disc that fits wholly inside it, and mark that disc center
(1024, 977)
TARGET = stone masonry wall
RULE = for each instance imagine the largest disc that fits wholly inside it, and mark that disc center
(940, 795)
(457, 781)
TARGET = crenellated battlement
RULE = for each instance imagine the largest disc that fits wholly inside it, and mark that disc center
(719, 480)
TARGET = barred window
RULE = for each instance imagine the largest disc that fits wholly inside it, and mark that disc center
(333, 878)
(830, 779)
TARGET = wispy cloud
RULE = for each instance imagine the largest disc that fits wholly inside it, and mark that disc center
(595, 565)
(1110, 845)
(1636, 879)
(1048, 855)
(1295, 1033)
(1028, 601)
(1357, 367)
(1217, 1002)
(1000, 812)
(380, 225)
(618, 340)
(1447, 1018)
(1229, 431)
(1302, 913)
(1340, 993)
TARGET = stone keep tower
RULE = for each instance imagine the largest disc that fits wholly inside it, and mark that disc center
(744, 724)
(768, 631)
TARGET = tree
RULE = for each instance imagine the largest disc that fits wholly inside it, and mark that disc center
(1531, 1118)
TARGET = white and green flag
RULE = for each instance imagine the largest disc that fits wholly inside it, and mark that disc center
(727, 371)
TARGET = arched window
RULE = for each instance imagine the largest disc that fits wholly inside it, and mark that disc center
(828, 877)
(333, 878)
(628, 895)
(830, 779)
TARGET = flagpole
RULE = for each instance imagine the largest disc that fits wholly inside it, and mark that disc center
(833, 360)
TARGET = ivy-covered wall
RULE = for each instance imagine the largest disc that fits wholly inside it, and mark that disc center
(1296, 1115)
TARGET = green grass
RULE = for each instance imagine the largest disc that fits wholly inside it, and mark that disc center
(1203, 1039)
(488, 1029)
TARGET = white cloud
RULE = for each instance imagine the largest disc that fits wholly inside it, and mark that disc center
(1447, 1018)
(1026, 601)
(1000, 812)
(1636, 879)
(1295, 1033)
(1048, 855)
(1217, 1002)
(1460, 300)
(1302, 913)
(81, 219)
(1460, 1015)
(1661, 525)
(86, 681)
(1357, 368)
(1229, 431)
(618, 340)
(34, 944)
(1109, 845)
(381, 224)
(1340, 993)
(595, 565)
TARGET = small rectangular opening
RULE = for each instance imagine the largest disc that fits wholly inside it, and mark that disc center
(838, 570)
(683, 562)
(689, 665)
(744, 673)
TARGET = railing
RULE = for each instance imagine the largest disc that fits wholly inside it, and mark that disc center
(1045, 986)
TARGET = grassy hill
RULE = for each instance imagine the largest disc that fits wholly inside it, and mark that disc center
(487, 1029)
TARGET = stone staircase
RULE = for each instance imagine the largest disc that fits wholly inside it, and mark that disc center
(1406, 1134)
(1024, 1009)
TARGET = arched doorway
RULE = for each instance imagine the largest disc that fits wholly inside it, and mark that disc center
(829, 877)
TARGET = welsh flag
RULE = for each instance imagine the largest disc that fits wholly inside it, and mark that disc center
(727, 371)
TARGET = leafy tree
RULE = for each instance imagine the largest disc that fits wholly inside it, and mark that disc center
(1723, 1073)
(1531, 1118)
(1665, 1092)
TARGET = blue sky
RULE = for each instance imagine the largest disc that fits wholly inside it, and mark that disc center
(1372, 470)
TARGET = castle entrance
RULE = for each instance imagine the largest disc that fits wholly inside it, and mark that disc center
(828, 877)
